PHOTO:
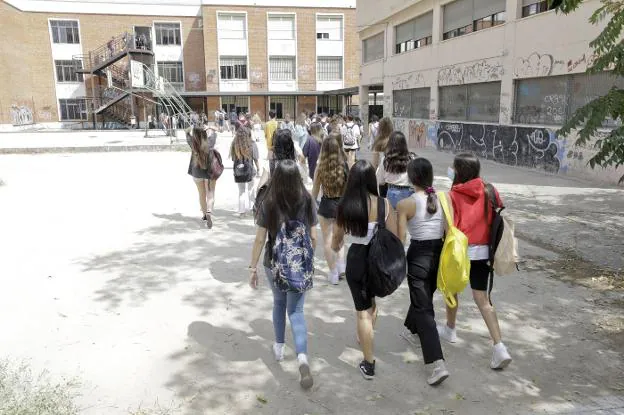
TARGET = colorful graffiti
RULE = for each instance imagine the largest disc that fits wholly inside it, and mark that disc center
(516, 146)
(415, 131)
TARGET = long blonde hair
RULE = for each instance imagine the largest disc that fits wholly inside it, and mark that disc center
(383, 136)
(331, 167)
(200, 156)
(241, 146)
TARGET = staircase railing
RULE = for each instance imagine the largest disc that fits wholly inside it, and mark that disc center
(115, 47)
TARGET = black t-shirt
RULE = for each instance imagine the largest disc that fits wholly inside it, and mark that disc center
(262, 221)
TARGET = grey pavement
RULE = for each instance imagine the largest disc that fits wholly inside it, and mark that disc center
(108, 275)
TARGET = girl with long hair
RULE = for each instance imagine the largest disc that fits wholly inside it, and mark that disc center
(381, 141)
(421, 216)
(357, 217)
(393, 170)
(301, 131)
(202, 141)
(244, 153)
(472, 201)
(331, 178)
(283, 147)
(257, 127)
(312, 147)
(286, 199)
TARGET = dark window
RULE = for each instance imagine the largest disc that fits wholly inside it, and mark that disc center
(64, 31)
(234, 67)
(73, 109)
(282, 68)
(531, 7)
(411, 103)
(466, 16)
(66, 71)
(373, 48)
(413, 34)
(471, 102)
(329, 68)
(329, 104)
(236, 104)
(283, 105)
(553, 100)
(171, 71)
(322, 35)
(167, 33)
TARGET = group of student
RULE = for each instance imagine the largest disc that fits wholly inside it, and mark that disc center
(397, 188)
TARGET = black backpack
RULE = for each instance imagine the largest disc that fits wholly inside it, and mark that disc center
(387, 266)
(243, 171)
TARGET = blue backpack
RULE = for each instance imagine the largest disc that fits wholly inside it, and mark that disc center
(293, 257)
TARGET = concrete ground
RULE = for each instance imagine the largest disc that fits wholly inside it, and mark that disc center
(108, 275)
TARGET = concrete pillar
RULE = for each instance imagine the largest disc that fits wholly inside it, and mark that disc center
(436, 31)
(364, 104)
(513, 13)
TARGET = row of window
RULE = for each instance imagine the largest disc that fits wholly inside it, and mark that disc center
(542, 101)
(459, 18)
(230, 26)
(282, 68)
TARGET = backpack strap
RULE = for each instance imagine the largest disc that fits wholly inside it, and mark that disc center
(445, 208)
(381, 213)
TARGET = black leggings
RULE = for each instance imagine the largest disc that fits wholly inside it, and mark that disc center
(423, 258)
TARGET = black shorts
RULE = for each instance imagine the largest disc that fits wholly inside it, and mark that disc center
(328, 208)
(357, 260)
(479, 274)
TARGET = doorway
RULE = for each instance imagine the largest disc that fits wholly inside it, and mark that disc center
(143, 37)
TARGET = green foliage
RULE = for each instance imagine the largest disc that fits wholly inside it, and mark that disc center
(609, 50)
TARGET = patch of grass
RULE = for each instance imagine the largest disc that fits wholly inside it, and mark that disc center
(22, 393)
(155, 410)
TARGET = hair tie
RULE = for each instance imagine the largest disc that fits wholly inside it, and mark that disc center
(429, 190)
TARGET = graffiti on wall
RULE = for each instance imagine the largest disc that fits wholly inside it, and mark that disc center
(516, 146)
(415, 132)
(535, 65)
(194, 79)
(45, 114)
(21, 115)
(408, 81)
(210, 76)
(481, 71)
(586, 58)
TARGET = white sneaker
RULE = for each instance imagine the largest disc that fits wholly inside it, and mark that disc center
(278, 351)
(333, 277)
(341, 268)
(410, 337)
(439, 373)
(500, 357)
(447, 333)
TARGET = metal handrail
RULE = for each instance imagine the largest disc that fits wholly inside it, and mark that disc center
(114, 47)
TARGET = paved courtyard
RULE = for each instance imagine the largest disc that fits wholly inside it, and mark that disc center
(108, 275)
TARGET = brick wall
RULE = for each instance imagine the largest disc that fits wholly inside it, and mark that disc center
(258, 105)
(306, 104)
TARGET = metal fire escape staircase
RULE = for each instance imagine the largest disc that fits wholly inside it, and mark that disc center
(111, 96)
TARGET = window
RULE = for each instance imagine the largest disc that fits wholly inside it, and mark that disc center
(553, 100)
(281, 27)
(472, 102)
(171, 71)
(373, 48)
(412, 103)
(167, 33)
(237, 104)
(232, 26)
(233, 67)
(414, 33)
(329, 27)
(66, 71)
(282, 68)
(329, 68)
(282, 105)
(466, 16)
(64, 31)
(73, 109)
(531, 7)
(329, 104)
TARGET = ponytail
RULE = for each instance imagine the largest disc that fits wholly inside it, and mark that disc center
(432, 200)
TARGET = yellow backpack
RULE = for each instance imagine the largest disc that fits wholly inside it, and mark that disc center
(454, 270)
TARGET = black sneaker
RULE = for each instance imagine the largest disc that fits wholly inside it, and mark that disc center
(367, 369)
(204, 218)
(209, 221)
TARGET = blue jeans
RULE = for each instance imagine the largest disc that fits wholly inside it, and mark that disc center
(396, 194)
(293, 303)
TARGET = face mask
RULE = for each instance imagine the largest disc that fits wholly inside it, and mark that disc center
(450, 172)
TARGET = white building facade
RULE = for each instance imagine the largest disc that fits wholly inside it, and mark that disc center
(495, 77)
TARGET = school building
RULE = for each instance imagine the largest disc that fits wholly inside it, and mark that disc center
(495, 77)
(83, 63)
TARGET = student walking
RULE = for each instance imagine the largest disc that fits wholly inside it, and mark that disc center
(472, 211)
(312, 147)
(202, 143)
(257, 127)
(381, 142)
(269, 131)
(244, 153)
(283, 148)
(373, 130)
(421, 216)
(331, 178)
(393, 170)
(301, 131)
(286, 200)
(351, 135)
(357, 216)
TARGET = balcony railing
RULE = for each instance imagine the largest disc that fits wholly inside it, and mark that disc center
(114, 49)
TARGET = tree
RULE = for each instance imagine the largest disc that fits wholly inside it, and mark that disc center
(609, 54)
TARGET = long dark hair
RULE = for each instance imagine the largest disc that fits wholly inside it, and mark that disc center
(420, 173)
(200, 155)
(286, 195)
(283, 145)
(467, 167)
(352, 213)
(397, 154)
